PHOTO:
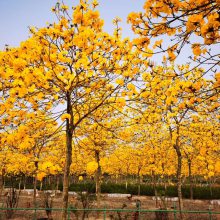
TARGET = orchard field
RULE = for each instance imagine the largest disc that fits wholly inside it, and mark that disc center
(86, 115)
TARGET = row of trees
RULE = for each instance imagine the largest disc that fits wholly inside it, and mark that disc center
(138, 149)
(75, 99)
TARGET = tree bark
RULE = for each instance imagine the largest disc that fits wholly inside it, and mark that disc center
(35, 191)
(24, 181)
(176, 147)
(35, 185)
(190, 179)
(41, 185)
(155, 188)
(68, 161)
(98, 177)
(2, 179)
(210, 188)
(57, 182)
(1, 182)
(19, 185)
(179, 182)
(139, 182)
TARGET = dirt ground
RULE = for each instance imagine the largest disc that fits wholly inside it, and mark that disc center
(112, 202)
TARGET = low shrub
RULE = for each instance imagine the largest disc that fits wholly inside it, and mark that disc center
(199, 192)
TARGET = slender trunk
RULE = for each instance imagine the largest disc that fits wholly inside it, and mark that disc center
(41, 185)
(67, 174)
(57, 184)
(24, 181)
(98, 177)
(139, 183)
(2, 179)
(19, 185)
(49, 180)
(50, 217)
(83, 215)
(35, 185)
(210, 188)
(190, 179)
(179, 182)
(1, 182)
(68, 161)
(1, 185)
(155, 188)
(165, 185)
(176, 146)
(35, 191)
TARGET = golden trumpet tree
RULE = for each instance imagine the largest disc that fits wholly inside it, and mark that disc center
(173, 24)
(175, 99)
(98, 137)
(31, 146)
(75, 63)
(200, 138)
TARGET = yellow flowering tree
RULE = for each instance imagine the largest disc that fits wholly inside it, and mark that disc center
(75, 63)
(169, 26)
(97, 136)
(175, 100)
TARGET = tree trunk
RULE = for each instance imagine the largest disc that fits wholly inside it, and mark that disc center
(49, 180)
(139, 183)
(24, 181)
(57, 182)
(35, 185)
(155, 188)
(2, 179)
(35, 191)
(190, 179)
(179, 182)
(176, 146)
(41, 185)
(165, 185)
(1, 182)
(98, 177)
(68, 161)
(19, 185)
(210, 188)
(1, 185)
(50, 217)
(67, 174)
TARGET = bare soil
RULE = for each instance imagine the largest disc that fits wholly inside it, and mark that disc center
(147, 203)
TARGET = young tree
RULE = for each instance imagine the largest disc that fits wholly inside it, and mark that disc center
(99, 136)
(75, 63)
(31, 140)
(176, 100)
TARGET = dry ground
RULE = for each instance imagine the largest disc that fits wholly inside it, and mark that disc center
(25, 201)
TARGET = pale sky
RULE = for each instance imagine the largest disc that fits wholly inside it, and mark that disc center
(17, 15)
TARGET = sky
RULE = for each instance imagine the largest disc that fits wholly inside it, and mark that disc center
(17, 15)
